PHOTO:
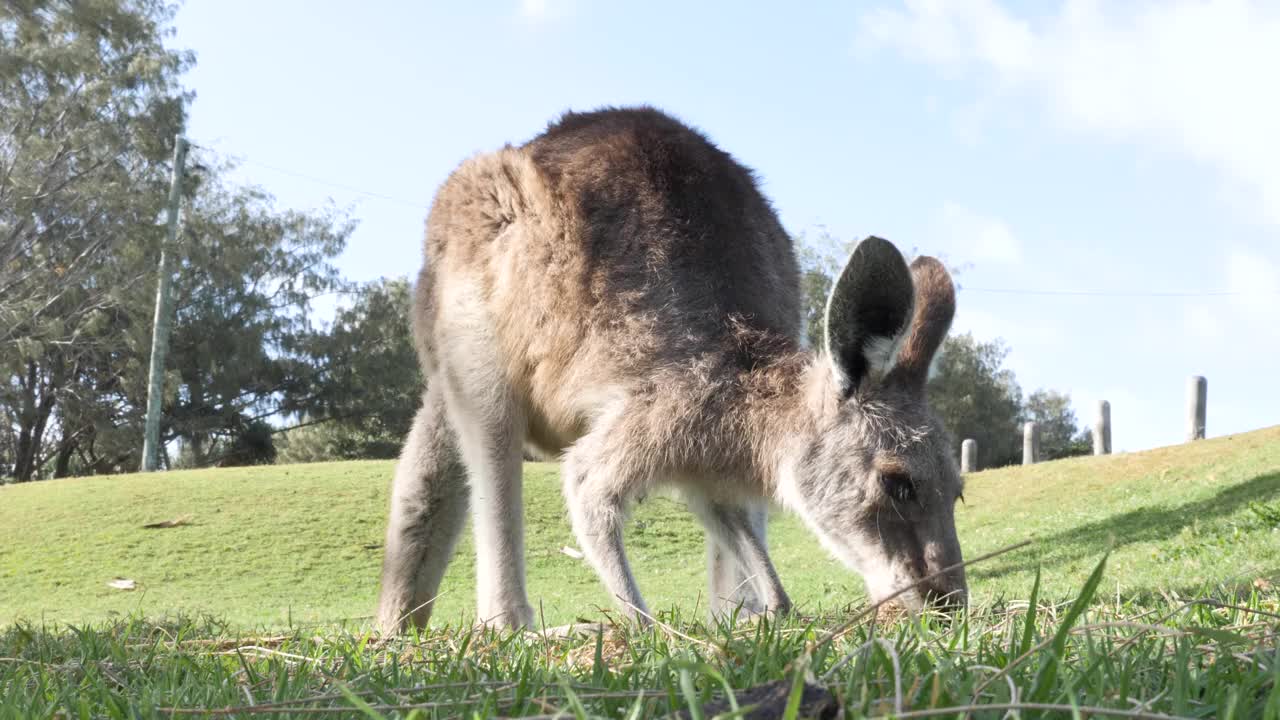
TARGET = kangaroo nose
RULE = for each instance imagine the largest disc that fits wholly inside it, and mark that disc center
(947, 598)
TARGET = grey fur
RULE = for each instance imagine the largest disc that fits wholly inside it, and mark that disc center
(617, 292)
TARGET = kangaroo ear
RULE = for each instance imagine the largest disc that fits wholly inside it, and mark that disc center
(935, 306)
(868, 308)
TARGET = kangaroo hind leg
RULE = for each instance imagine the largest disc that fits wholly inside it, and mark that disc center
(428, 510)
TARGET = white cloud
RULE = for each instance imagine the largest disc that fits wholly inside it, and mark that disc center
(1197, 78)
(543, 10)
(1202, 322)
(1251, 274)
(971, 236)
(1254, 310)
(533, 8)
(1257, 279)
(954, 32)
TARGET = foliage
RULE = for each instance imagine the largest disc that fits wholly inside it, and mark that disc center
(252, 444)
(367, 383)
(820, 259)
(1060, 437)
(89, 106)
(977, 397)
(313, 441)
(242, 315)
(242, 295)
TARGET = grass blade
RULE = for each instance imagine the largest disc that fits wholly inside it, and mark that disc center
(797, 692)
(1049, 671)
(1029, 627)
(359, 704)
(690, 694)
(575, 702)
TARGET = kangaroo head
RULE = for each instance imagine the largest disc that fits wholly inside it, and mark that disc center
(875, 478)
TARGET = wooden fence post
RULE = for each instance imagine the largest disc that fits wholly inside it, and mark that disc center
(1030, 444)
(969, 456)
(1197, 399)
(1102, 429)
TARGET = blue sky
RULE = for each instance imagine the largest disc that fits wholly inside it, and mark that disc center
(1067, 146)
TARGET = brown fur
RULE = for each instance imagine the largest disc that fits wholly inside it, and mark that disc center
(580, 241)
(617, 290)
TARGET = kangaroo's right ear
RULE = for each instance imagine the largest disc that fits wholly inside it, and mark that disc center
(868, 309)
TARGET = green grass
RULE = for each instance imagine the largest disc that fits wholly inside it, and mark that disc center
(1157, 659)
(274, 545)
(264, 597)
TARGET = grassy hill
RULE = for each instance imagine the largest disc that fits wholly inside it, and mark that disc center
(274, 546)
(1180, 623)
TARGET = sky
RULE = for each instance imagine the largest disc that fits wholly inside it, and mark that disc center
(1105, 175)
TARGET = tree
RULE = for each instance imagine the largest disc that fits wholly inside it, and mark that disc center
(313, 440)
(89, 106)
(242, 301)
(242, 317)
(368, 384)
(1060, 435)
(978, 398)
(820, 259)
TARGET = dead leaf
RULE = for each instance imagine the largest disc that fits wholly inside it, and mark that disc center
(613, 647)
(572, 552)
(1262, 584)
(176, 522)
(581, 628)
(890, 613)
(123, 584)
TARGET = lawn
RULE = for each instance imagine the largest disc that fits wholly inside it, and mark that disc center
(275, 546)
(262, 594)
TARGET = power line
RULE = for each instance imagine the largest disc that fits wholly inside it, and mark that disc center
(994, 291)
(323, 181)
(1118, 293)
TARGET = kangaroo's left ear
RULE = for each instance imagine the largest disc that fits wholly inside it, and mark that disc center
(868, 308)
(935, 306)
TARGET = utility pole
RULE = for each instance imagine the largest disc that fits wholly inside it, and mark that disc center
(164, 314)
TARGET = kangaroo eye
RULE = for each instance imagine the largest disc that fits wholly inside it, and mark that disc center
(898, 486)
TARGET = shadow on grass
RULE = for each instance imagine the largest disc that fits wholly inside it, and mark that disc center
(1234, 589)
(1148, 524)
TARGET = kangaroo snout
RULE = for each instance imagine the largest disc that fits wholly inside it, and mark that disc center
(946, 596)
(947, 588)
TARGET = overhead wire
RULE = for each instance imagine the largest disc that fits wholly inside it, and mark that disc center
(963, 288)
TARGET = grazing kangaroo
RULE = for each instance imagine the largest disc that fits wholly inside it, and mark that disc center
(617, 291)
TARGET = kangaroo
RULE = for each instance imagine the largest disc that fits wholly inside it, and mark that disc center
(618, 292)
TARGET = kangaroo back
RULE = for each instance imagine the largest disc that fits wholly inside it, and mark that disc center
(613, 244)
